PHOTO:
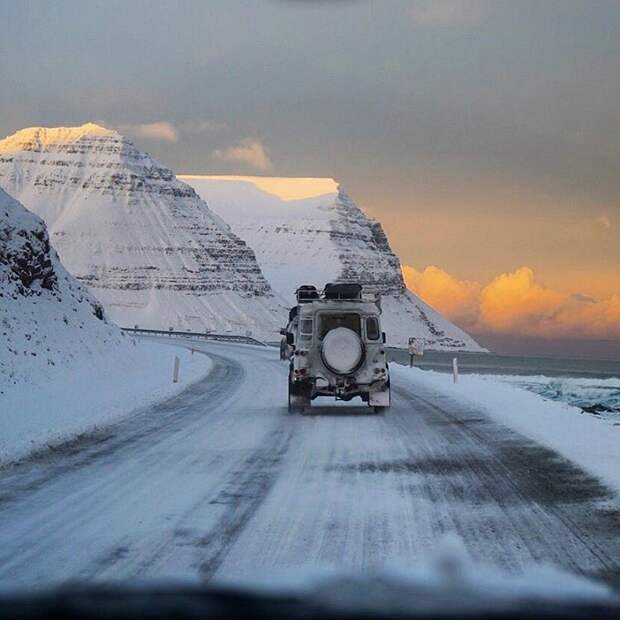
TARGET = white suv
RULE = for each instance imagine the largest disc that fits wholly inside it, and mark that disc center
(336, 347)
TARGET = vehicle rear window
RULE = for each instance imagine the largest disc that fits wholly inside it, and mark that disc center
(372, 328)
(332, 321)
(306, 326)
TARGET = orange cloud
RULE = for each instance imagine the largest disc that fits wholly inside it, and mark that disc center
(604, 222)
(459, 300)
(516, 304)
(248, 151)
(588, 319)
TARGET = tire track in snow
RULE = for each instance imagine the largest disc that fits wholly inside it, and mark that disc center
(242, 496)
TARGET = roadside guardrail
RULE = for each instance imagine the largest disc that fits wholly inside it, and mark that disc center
(171, 333)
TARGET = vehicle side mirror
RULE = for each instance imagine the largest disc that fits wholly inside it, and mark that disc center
(289, 338)
(283, 332)
(383, 337)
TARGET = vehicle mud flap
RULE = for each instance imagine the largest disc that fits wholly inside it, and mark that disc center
(380, 398)
(297, 403)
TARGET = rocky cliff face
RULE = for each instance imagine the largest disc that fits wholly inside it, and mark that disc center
(145, 243)
(321, 238)
(364, 252)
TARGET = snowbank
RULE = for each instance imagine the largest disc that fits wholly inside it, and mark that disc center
(91, 393)
(591, 442)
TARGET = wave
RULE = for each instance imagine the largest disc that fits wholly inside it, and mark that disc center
(594, 396)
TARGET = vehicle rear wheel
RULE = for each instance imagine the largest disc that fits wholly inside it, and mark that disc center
(380, 409)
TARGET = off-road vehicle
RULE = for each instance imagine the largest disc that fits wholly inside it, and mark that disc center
(336, 347)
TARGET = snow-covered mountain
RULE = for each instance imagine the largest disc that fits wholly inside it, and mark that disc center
(145, 243)
(155, 255)
(308, 231)
(47, 318)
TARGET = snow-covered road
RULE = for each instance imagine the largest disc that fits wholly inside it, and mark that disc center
(221, 482)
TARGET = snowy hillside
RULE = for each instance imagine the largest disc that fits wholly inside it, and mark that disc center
(145, 244)
(63, 366)
(47, 317)
(320, 238)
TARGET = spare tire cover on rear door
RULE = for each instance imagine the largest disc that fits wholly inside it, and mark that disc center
(342, 350)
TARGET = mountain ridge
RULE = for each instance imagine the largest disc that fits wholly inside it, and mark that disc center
(158, 255)
(321, 238)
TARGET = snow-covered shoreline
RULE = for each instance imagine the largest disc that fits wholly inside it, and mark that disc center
(589, 441)
(82, 398)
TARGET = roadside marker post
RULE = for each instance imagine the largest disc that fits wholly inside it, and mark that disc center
(455, 369)
(415, 348)
(175, 374)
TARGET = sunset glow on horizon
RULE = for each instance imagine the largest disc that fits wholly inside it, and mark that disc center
(285, 188)
(515, 304)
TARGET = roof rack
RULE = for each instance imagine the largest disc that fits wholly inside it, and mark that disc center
(306, 293)
(343, 290)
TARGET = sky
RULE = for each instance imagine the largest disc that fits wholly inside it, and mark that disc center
(484, 135)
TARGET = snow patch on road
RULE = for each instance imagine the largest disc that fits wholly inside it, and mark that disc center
(589, 441)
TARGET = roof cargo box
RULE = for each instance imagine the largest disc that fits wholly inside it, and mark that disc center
(306, 293)
(343, 290)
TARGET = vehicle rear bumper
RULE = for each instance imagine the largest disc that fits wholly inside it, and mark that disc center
(378, 391)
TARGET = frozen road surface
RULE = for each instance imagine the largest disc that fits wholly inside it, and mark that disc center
(220, 482)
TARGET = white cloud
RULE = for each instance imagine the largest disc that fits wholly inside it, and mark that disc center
(159, 130)
(247, 151)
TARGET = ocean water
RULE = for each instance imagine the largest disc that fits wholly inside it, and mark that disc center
(581, 383)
